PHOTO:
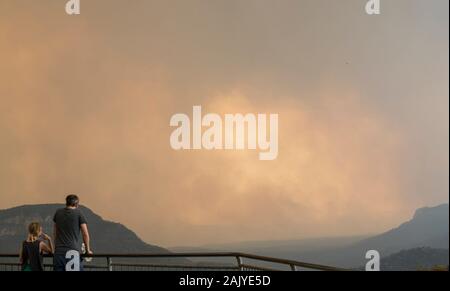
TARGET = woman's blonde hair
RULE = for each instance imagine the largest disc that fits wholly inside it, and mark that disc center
(33, 231)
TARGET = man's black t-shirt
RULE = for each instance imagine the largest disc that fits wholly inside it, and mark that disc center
(68, 230)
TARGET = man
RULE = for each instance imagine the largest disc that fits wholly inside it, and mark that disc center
(70, 225)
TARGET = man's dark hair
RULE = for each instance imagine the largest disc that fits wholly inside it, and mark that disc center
(72, 200)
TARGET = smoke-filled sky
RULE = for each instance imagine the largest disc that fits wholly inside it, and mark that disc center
(85, 105)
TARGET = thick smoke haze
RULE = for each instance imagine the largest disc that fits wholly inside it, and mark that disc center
(85, 105)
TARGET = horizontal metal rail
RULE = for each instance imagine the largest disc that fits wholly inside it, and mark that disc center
(237, 256)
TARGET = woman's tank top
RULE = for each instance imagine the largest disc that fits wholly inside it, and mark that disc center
(32, 257)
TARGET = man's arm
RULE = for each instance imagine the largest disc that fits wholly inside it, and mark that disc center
(86, 238)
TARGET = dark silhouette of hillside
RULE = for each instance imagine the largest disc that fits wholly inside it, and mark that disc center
(416, 259)
(107, 236)
(429, 227)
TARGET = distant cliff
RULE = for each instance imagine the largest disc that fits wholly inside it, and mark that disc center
(428, 228)
(425, 235)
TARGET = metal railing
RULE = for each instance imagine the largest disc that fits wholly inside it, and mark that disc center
(225, 261)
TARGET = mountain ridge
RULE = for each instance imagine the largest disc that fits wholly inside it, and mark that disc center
(427, 227)
(107, 236)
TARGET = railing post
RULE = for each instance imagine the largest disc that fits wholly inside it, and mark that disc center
(109, 263)
(239, 262)
(293, 268)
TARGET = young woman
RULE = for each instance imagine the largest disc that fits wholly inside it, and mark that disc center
(33, 248)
